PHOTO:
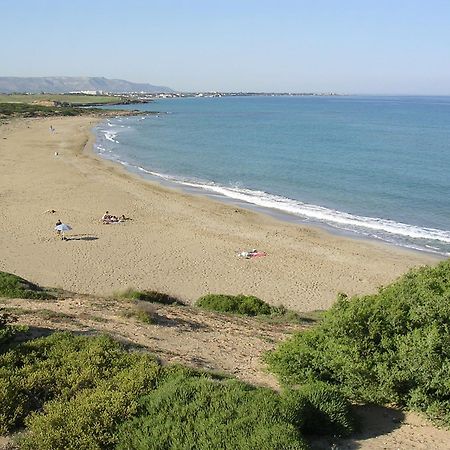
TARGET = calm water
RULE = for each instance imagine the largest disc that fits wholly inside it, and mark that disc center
(374, 166)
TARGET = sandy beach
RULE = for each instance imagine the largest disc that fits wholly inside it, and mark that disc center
(176, 243)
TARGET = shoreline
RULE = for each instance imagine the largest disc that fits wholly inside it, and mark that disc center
(413, 235)
(178, 243)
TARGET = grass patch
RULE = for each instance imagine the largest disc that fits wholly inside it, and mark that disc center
(13, 286)
(142, 312)
(17, 311)
(151, 297)
(49, 314)
(389, 348)
(94, 318)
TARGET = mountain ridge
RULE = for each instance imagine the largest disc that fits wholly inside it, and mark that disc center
(62, 85)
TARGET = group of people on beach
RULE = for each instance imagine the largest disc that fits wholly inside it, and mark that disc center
(108, 218)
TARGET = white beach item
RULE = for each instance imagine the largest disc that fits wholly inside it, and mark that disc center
(62, 227)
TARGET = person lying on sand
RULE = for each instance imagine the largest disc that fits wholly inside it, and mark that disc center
(109, 218)
(251, 254)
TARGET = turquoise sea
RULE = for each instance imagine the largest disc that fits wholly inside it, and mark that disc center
(376, 167)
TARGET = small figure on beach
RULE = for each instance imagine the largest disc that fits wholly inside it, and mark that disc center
(52, 129)
(108, 218)
(251, 254)
(58, 231)
(61, 228)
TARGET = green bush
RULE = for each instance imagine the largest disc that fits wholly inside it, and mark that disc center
(319, 409)
(7, 331)
(237, 304)
(90, 418)
(392, 347)
(151, 296)
(13, 286)
(59, 365)
(202, 414)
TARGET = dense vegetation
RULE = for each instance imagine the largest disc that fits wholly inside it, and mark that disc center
(7, 329)
(29, 110)
(81, 392)
(151, 296)
(392, 347)
(238, 304)
(13, 286)
(61, 99)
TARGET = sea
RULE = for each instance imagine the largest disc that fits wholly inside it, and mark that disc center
(365, 166)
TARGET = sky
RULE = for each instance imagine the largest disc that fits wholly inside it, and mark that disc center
(342, 46)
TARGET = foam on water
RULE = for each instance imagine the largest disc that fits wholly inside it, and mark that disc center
(387, 230)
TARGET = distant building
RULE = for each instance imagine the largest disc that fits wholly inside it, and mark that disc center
(87, 92)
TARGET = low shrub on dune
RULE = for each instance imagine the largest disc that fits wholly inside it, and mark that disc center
(151, 296)
(247, 305)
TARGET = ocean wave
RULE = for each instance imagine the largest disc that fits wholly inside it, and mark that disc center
(370, 225)
(110, 136)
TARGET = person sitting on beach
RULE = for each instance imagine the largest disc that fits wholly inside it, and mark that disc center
(58, 232)
(122, 218)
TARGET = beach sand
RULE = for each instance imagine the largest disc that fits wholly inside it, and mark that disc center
(180, 244)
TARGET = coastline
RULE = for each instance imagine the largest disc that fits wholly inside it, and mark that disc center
(178, 243)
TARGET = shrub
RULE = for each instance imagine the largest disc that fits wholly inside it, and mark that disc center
(392, 347)
(238, 304)
(151, 296)
(90, 418)
(13, 286)
(59, 365)
(319, 409)
(202, 414)
(7, 331)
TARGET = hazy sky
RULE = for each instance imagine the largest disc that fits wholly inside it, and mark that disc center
(346, 46)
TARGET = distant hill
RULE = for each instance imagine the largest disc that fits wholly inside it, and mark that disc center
(61, 85)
